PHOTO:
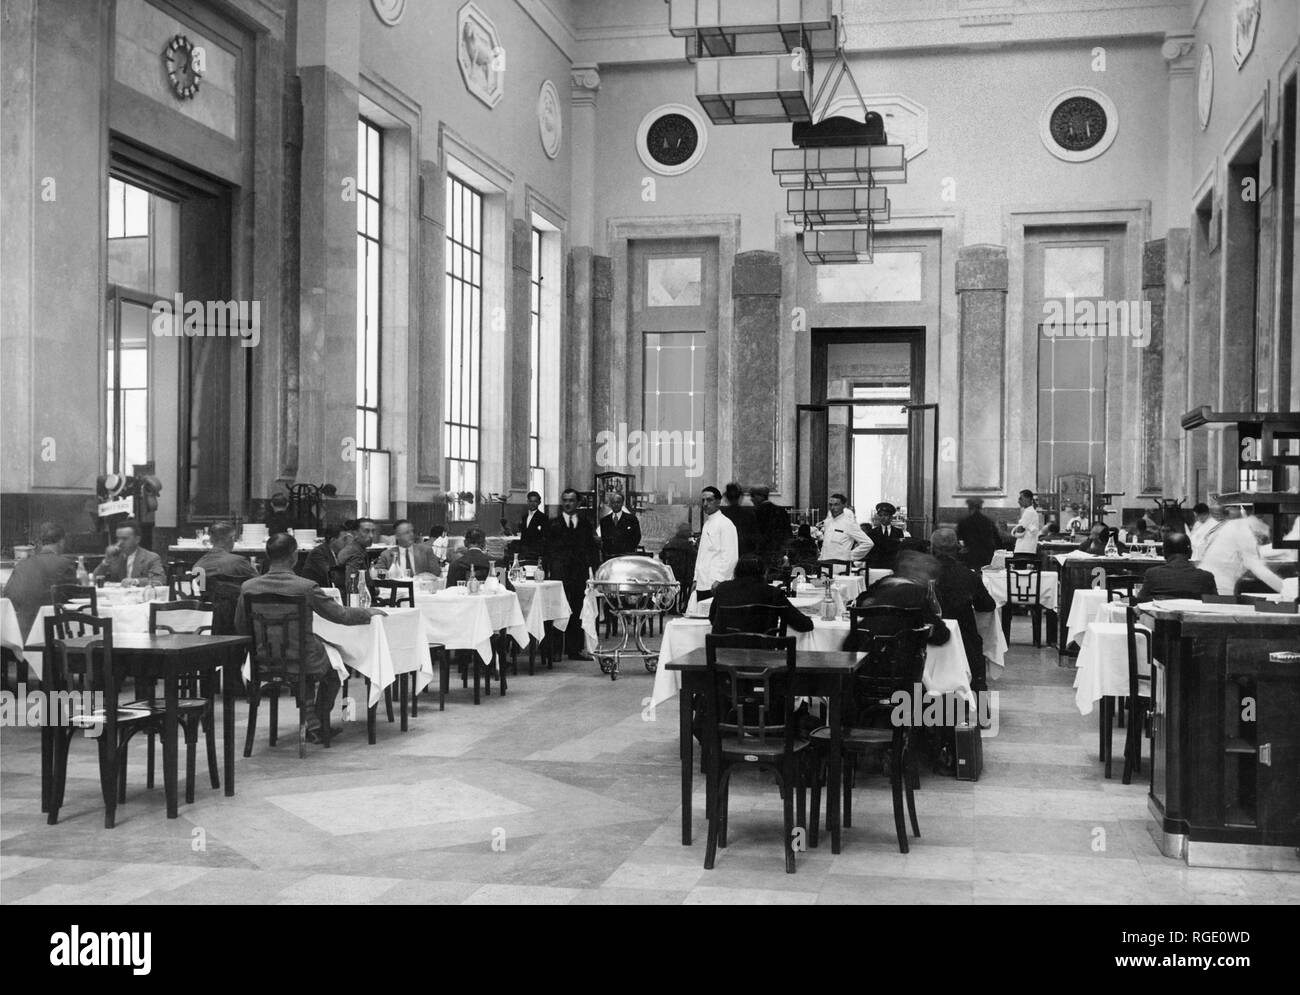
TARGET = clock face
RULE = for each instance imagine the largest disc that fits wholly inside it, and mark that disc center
(672, 139)
(184, 66)
(1078, 124)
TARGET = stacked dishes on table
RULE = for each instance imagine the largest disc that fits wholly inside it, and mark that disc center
(253, 535)
(306, 538)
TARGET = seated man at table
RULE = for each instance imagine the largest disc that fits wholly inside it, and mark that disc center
(29, 585)
(361, 532)
(411, 557)
(1098, 536)
(282, 556)
(322, 560)
(961, 594)
(1176, 577)
(129, 563)
(747, 587)
(909, 586)
(473, 557)
(222, 560)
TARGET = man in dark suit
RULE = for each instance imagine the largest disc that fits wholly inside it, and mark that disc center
(532, 528)
(319, 564)
(771, 527)
(979, 535)
(1095, 544)
(1177, 577)
(472, 557)
(620, 532)
(748, 587)
(29, 585)
(572, 553)
(909, 587)
(410, 557)
(361, 533)
(222, 560)
(282, 555)
(961, 594)
(886, 537)
(128, 562)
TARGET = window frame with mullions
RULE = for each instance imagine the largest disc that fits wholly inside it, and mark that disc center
(463, 351)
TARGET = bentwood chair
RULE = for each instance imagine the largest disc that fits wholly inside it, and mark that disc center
(895, 663)
(750, 720)
(393, 594)
(764, 620)
(1141, 681)
(183, 581)
(79, 669)
(62, 594)
(282, 633)
(195, 704)
(1024, 595)
(1122, 586)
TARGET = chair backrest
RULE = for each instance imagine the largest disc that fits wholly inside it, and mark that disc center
(1121, 584)
(680, 561)
(830, 568)
(394, 593)
(61, 594)
(763, 619)
(895, 662)
(186, 615)
(749, 687)
(338, 578)
(223, 596)
(868, 621)
(281, 630)
(1024, 579)
(78, 657)
(183, 581)
(1132, 630)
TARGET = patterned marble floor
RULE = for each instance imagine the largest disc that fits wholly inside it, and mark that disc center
(565, 792)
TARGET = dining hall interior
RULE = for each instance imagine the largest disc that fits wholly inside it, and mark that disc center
(650, 452)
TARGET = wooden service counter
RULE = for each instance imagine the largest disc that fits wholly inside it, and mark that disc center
(1225, 770)
(1091, 571)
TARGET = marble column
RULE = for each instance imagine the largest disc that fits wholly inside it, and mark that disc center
(587, 273)
(1151, 370)
(756, 334)
(1174, 348)
(981, 284)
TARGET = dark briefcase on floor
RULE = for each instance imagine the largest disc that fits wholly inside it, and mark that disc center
(969, 752)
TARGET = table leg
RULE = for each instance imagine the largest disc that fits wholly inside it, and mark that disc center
(688, 760)
(401, 680)
(47, 763)
(501, 662)
(474, 663)
(169, 745)
(835, 771)
(444, 678)
(228, 683)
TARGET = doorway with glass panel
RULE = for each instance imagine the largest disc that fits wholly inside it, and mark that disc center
(867, 433)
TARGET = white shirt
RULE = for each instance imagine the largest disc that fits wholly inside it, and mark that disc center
(1027, 541)
(719, 550)
(130, 562)
(1200, 531)
(843, 538)
(1226, 551)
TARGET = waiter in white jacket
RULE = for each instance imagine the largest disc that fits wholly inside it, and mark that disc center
(842, 536)
(719, 546)
(1026, 530)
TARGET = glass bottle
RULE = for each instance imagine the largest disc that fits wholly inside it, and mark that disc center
(83, 575)
(363, 595)
(828, 603)
(350, 597)
(1111, 549)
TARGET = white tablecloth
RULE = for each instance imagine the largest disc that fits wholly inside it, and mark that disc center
(126, 618)
(11, 637)
(995, 582)
(946, 670)
(546, 602)
(467, 621)
(1103, 657)
(588, 618)
(1083, 610)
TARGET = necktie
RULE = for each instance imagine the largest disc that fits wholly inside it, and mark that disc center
(409, 571)
(616, 518)
(572, 522)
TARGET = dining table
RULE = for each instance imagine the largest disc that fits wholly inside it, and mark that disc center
(462, 621)
(166, 658)
(818, 673)
(1102, 664)
(544, 603)
(11, 635)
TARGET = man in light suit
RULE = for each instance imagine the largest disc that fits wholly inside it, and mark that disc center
(532, 529)
(410, 556)
(130, 563)
(620, 532)
(282, 556)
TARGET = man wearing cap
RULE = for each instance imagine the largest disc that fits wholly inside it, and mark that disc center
(886, 537)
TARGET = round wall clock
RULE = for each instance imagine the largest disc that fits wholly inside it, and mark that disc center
(184, 65)
(550, 122)
(671, 139)
(1078, 124)
(1205, 86)
(389, 11)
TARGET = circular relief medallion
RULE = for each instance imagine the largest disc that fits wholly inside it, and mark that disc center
(1078, 124)
(550, 122)
(389, 11)
(671, 139)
